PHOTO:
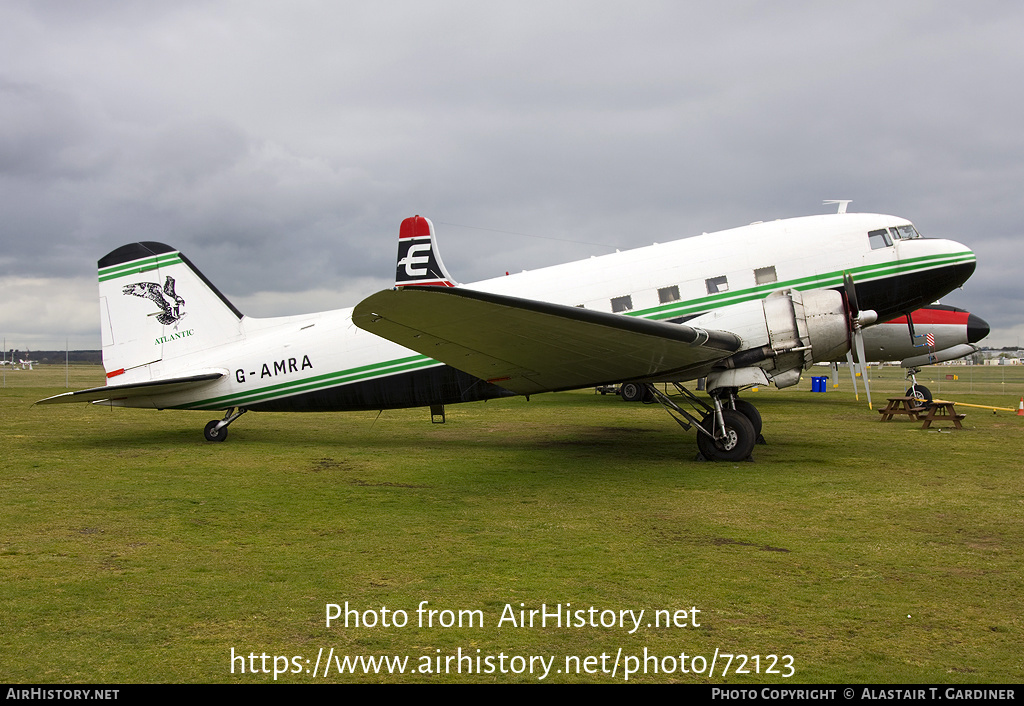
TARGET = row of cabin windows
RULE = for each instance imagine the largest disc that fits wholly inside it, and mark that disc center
(881, 238)
(715, 285)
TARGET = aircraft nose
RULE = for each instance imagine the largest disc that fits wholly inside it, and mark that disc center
(966, 269)
(977, 328)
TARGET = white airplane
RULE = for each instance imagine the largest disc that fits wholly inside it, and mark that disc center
(25, 363)
(741, 307)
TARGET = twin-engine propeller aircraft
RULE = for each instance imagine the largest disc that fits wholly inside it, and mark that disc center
(747, 306)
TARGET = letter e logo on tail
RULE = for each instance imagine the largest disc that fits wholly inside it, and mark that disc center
(419, 261)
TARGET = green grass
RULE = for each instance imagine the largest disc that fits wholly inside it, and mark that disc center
(134, 551)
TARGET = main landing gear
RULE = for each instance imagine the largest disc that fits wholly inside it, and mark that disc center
(726, 430)
(217, 430)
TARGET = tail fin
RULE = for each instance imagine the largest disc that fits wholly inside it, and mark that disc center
(155, 306)
(419, 261)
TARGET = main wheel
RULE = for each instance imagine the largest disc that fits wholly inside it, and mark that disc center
(212, 433)
(750, 412)
(920, 393)
(738, 442)
(631, 391)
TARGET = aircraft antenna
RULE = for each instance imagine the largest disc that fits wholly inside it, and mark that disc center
(842, 203)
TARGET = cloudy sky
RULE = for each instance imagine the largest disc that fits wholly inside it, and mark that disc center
(279, 144)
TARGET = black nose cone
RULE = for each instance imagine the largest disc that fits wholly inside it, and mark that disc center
(977, 328)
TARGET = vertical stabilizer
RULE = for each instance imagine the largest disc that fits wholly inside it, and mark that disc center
(419, 261)
(156, 306)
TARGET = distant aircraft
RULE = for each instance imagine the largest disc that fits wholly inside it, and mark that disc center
(25, 363)
(932, 334)
(748, 306)
(953, 332)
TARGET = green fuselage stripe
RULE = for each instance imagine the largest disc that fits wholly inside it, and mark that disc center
(317, 382)
(829, 280)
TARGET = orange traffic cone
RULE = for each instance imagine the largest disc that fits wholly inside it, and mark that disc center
(1020, 409)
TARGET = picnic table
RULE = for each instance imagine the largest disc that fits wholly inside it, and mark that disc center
(902, 406)
(911, 407)
(942, 411)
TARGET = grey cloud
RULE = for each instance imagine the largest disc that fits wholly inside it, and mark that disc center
(279, 146)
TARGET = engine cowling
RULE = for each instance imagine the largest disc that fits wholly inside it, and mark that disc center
(784, 333)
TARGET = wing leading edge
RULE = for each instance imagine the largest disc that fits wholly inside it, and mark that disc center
(529, 346)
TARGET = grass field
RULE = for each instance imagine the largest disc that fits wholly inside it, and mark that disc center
(134, 551)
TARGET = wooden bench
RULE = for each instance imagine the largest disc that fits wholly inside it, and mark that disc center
(940, 411)
(902, 406)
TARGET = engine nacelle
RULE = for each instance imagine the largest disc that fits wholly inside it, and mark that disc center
(782, 334)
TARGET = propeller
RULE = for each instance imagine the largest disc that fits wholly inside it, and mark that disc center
(858, 318)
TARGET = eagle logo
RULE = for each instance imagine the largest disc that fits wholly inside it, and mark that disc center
(169, 303)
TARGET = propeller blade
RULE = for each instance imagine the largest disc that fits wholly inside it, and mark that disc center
(853, 373)
(857, 320)
(851, 296)
(858, 337)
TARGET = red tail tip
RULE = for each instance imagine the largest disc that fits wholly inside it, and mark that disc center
(414, 227)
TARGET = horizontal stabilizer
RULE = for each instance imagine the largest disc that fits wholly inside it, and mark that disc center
(138, 389)
(530, 346)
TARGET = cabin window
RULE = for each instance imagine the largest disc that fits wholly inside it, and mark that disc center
(668, 294)
(717, 284)
(622, 304)
(765, 275)
(879, 239)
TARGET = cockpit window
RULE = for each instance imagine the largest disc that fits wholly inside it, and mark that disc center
(879, 239)
(908, 232)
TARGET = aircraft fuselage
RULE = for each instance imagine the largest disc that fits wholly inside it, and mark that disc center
(321, 362)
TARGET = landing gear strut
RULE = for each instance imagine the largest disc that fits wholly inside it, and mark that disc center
(218, 430)
(921, 394)
(725, 431)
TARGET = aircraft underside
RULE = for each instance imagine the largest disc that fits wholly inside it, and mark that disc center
(438, 385)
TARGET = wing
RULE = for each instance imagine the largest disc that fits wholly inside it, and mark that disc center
(529, 346)
(138, 389)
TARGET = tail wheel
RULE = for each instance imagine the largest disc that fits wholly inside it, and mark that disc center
(736, 445)
(212, 433)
